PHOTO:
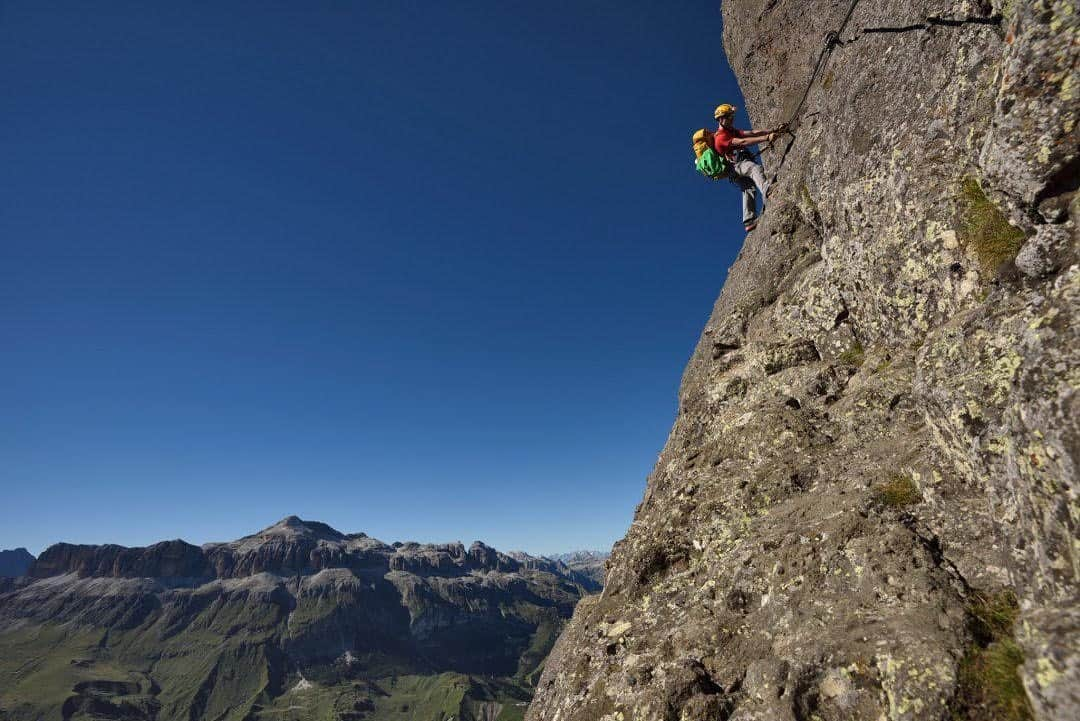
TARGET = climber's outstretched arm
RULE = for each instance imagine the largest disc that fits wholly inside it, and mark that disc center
(753, 137)
(749, 139)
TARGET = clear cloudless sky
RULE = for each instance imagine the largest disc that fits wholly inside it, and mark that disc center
(427, 270)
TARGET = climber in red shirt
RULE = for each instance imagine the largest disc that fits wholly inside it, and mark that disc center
(731, 142)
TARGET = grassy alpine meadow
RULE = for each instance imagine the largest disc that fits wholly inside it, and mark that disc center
(50, 672)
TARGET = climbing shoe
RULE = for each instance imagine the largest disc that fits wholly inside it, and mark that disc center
(749, 226)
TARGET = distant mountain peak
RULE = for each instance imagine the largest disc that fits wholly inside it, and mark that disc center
(591, 564)
(580, 556)
(295, 526)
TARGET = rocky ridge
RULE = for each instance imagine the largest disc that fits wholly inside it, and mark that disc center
(231, 630)
(867, 506)
(290, 547)
(15, 562)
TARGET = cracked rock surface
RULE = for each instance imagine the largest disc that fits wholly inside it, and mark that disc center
(878, 429)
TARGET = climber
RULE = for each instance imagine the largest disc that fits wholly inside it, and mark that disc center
(732, 143)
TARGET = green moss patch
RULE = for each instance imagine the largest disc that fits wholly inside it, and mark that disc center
(984, 230)
(993, 616)
(898, 492)
(988, 681)
(853, 356)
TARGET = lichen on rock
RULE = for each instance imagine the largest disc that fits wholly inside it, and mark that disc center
(879, 426)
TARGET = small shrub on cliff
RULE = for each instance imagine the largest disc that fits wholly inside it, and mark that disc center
(984, 229)
(898, 492)
(988, 684)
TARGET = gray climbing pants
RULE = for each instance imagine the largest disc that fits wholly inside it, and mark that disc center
(750, 177)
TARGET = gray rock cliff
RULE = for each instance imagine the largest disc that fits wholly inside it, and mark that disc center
(867, 506)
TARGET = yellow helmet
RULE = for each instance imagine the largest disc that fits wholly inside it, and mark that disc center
(725, 109)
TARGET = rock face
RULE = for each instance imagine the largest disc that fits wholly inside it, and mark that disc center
(15, 563)
(229, 630)
(867, 507)
(165, 560)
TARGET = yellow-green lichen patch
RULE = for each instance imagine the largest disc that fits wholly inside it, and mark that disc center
(1008, 9)
(984, 230)
(898, 492)
(1046, 674)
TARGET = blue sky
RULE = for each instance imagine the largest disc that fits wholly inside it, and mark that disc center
(426, 270)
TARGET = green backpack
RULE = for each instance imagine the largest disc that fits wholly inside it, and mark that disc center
(709, 163)
(712, 164)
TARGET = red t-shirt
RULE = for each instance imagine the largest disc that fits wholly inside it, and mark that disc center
(722, 141)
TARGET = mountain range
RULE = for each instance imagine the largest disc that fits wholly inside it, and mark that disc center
(296, 621)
